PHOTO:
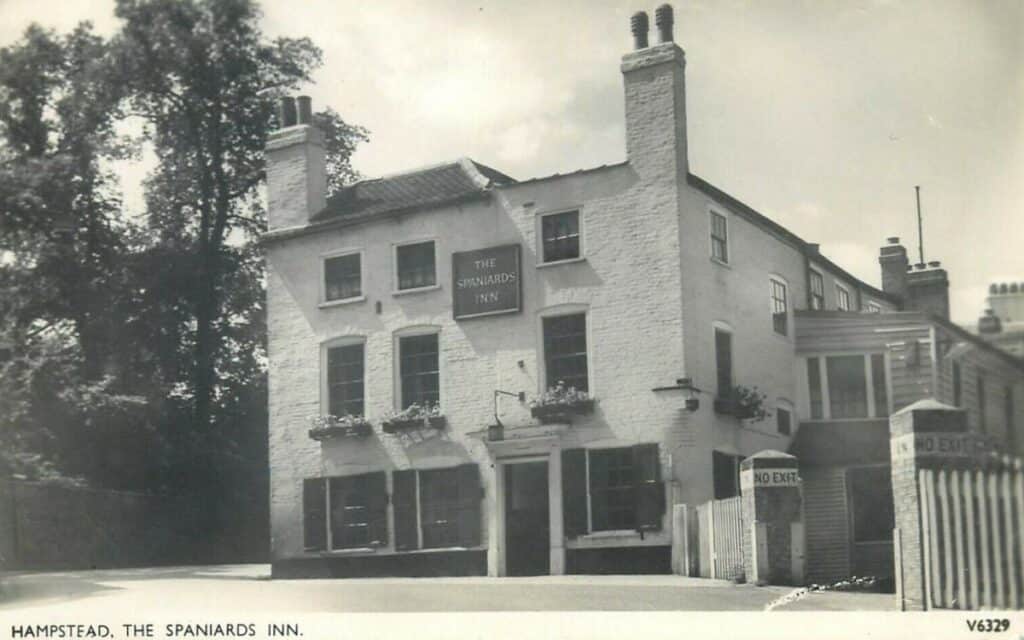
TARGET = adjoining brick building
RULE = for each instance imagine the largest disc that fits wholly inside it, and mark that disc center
(459, 289)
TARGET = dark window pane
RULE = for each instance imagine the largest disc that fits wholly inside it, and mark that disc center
(448, 497)
(779, 308)
(723, 360)
(880, 387)
(342, 277)
(345, 380)
(416, 265)
(420, 375)
(847, 386)
(842, 299)
(353, 503)
(870, 491)
(957, 390)
(560, 234)
(565, 351)
(817, 291)
(814, 382)
(612, 492)
(783, 419)
(725, 472)
(719, 237)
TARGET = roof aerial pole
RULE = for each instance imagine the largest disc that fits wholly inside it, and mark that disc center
(920, 233)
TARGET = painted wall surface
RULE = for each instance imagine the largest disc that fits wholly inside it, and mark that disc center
(627, 283)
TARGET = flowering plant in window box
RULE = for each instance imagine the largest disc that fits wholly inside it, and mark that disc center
(745, 403)
(415, 415)
(331, 426)
(560, 403)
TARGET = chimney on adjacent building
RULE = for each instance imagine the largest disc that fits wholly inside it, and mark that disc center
(296, 166)
(921, 287)
(989, 323)
(928, 289)
(894, 262)
(655, 84)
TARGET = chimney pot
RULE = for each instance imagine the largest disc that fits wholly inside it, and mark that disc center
(919, 265)
(935, 263)
(893, 240)
(664, 20)
(639, 25)
(286, 112)
(305, 109)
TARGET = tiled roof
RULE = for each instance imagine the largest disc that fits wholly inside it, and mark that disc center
(433, 186)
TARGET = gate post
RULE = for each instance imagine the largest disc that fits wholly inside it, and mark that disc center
(924, 435)
(771, 504)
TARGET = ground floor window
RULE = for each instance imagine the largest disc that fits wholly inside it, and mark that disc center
(871, 503)
(345, 512)
(431, 509)
(612, 489)
(437, 508)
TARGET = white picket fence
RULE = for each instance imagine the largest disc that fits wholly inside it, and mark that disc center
(973, 526)
(720, 539)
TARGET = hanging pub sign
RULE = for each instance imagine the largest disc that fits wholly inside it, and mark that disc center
(486, 282)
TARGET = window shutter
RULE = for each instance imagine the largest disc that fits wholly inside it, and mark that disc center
(377, 493)
(404, 498)
(574, 491)
(650, 490)
(314, 514)
(470, 495)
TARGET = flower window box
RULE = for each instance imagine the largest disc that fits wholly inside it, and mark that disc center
(560, 404)
(414, 416)
(329, 426)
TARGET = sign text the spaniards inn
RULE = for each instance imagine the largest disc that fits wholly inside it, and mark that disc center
(486, 281)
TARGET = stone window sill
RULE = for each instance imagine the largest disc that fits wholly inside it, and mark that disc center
(402, 292)
(558, 263)
(343, 301)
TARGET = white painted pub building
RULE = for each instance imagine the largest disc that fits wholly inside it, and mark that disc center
(474, 375)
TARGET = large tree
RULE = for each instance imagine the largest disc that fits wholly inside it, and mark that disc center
(205, 79)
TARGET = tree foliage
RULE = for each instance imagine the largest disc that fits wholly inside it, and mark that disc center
(132, 346)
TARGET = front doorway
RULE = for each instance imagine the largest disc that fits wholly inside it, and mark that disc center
(527, 525)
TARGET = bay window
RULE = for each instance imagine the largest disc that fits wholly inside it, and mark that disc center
(842, 387)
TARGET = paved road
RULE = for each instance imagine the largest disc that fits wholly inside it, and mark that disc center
(247, 588)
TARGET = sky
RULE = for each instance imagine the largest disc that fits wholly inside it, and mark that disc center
(821, 114)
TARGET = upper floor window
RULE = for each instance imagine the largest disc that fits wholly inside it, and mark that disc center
(723, 361)
(817, 291)
(345, 380)
(842, 298)
(780, 309)
(416, 265)
(565, 350)
(419, 372)
(719, 237)
(848, 386)
(343, 277)
(560, 236)
(784, 419)
(957, 385)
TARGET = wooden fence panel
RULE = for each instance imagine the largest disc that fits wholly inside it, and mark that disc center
(973, 538)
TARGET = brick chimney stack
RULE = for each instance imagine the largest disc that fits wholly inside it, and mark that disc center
(894, 262)
(296, 166)
(655, 83)
(928, 289)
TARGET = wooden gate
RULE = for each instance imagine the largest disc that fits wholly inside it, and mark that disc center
(720, 539)
(973, 538)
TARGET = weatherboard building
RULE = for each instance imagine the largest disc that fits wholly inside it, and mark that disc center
(471, 374)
